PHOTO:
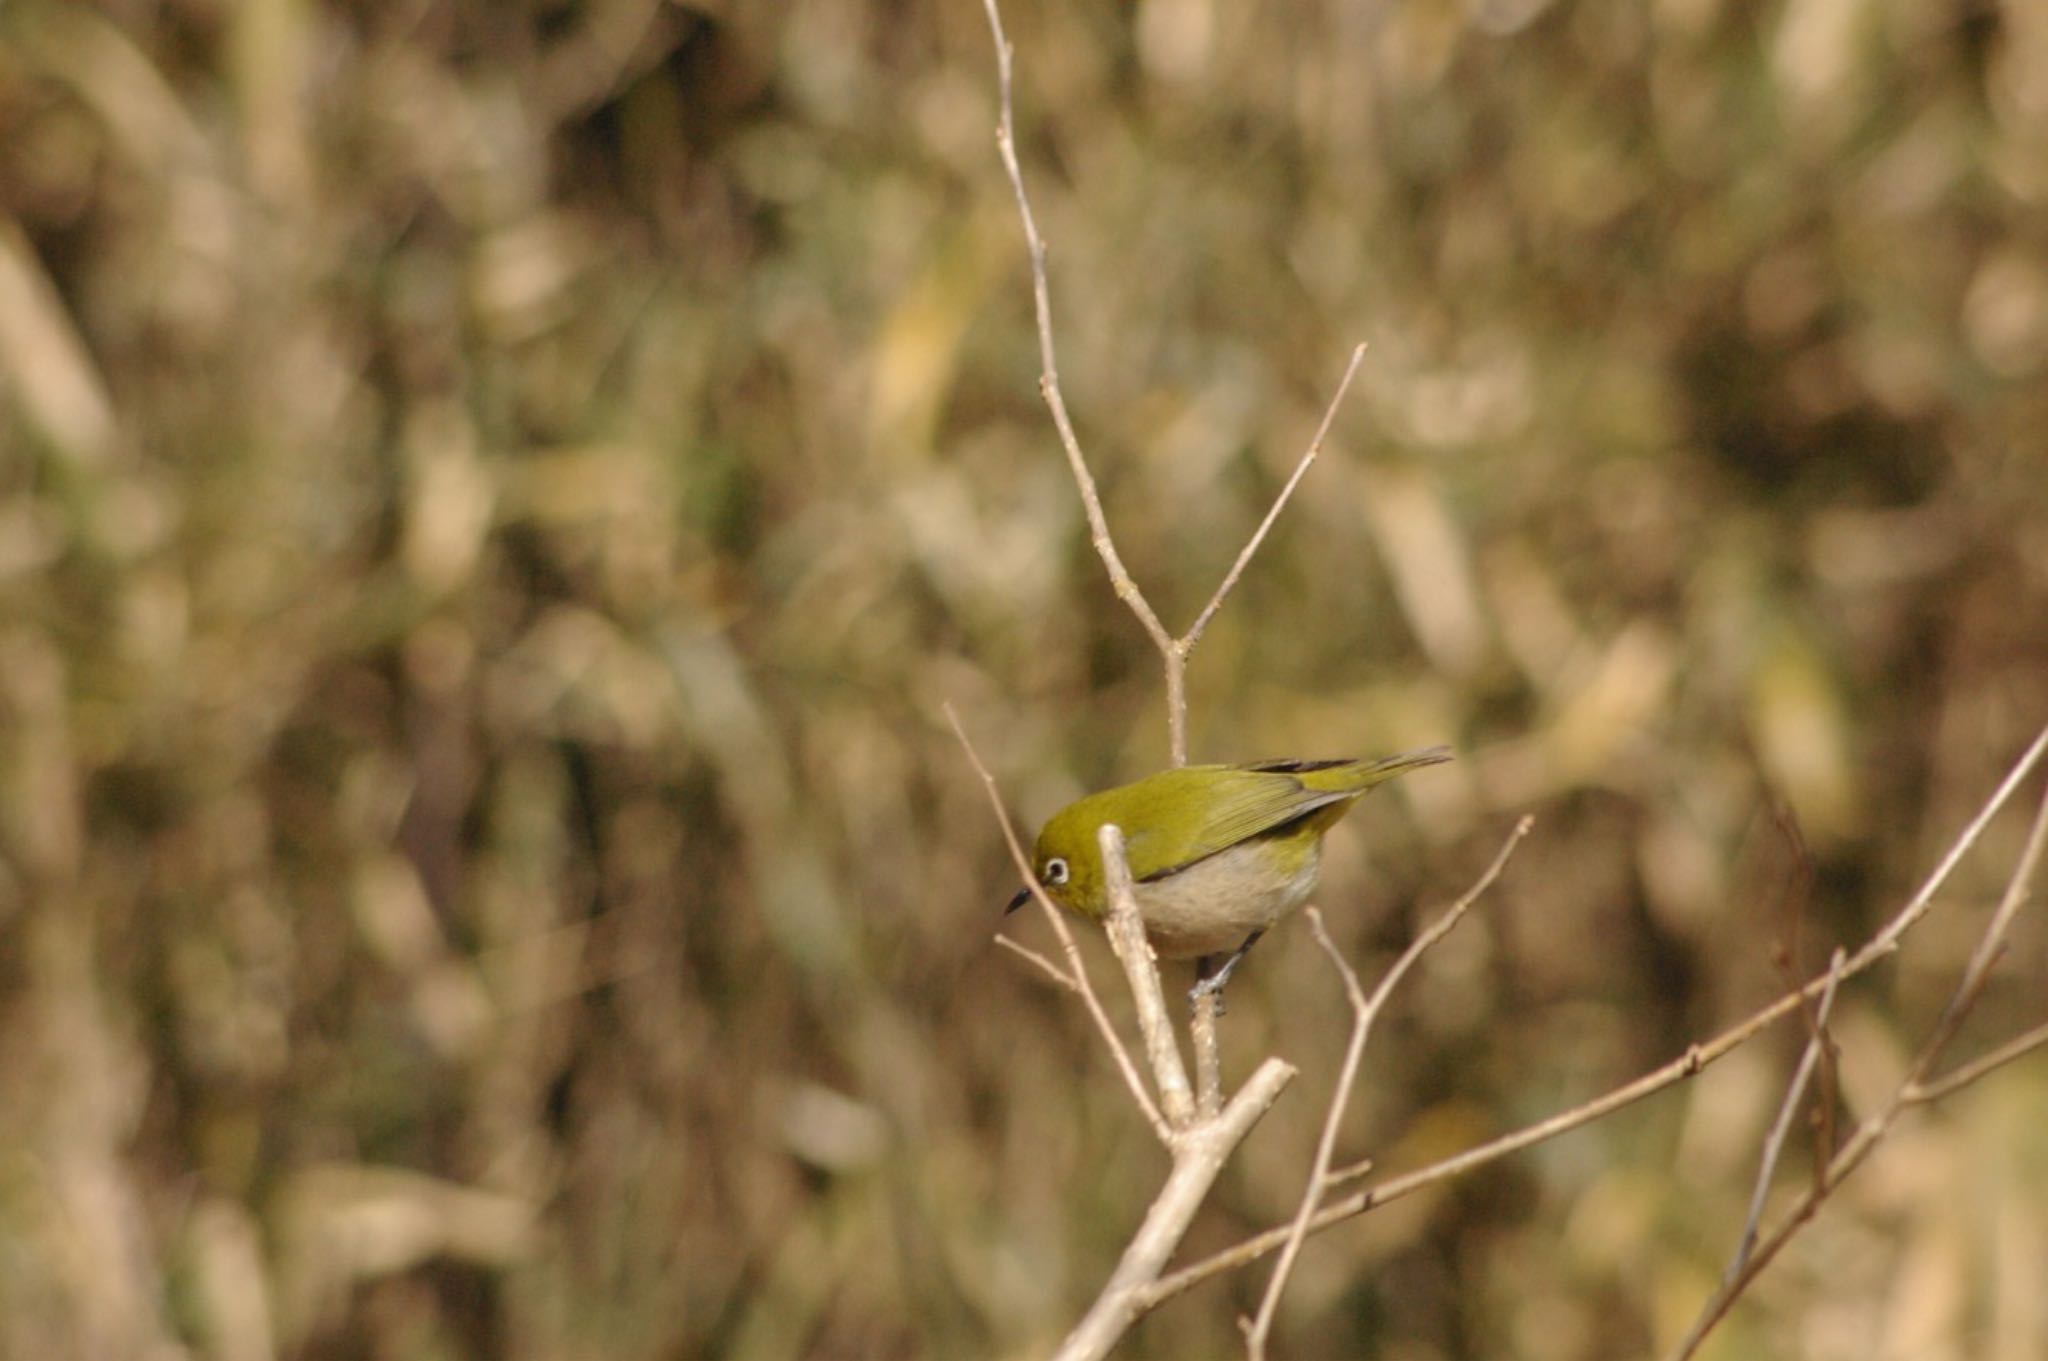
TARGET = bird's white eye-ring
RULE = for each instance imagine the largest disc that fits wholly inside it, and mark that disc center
(1055, 872)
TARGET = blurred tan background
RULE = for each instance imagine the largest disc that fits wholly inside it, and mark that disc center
(493, 497)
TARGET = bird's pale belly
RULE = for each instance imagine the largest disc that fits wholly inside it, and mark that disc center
(1210, 907)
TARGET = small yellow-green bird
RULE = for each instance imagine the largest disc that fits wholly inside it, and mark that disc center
(1218, 853)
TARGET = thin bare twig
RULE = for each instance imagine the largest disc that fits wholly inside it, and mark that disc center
(1798, 893)
(1315, 447)
(1989, 947)
(1774, 1144)
(1078, 972)
(2018, 1047)
(1031, 956)
(1350, 1172)
(1687, 1065)
(1364, 1011)
(1888, 939)
(1257, 1329)
(1909, 1092)
(1048, 363)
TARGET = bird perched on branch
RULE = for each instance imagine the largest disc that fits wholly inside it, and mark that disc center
(1218, 853)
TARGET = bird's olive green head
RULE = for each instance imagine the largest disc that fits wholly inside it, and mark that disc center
(1176, 818)
(1067, 859)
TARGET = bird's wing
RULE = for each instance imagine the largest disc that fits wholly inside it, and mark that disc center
(1237, 803)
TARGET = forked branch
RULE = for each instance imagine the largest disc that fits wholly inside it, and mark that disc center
(1173, 651)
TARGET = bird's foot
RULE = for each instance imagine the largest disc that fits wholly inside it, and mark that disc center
(1211, 978)
(1208, 986)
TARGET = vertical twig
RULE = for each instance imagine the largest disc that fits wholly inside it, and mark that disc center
(1134, 952)
(1049, 372)
(1202, 1034)
(1816, 1047)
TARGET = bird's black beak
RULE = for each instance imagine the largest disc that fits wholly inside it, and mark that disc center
(1023, 897)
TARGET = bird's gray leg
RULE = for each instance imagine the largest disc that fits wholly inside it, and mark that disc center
(1210, 978)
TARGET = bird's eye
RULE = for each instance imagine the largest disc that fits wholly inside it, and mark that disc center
(1055, 872)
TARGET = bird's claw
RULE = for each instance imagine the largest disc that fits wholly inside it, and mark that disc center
(1211, 986)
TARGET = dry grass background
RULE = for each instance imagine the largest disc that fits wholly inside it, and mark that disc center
(492, 497)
